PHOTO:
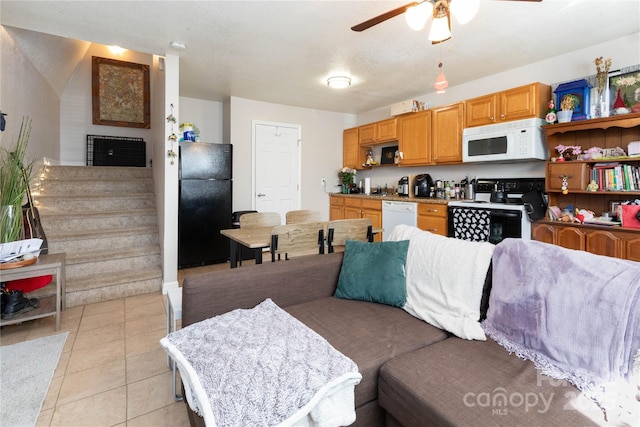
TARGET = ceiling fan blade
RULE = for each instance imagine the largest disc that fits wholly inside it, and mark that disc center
(381, 18)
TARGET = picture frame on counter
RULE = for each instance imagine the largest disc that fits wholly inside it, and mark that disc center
(624, 87)
(581, 89)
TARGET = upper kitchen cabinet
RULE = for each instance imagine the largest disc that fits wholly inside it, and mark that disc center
(378, 132)
(446, 141)
(351, 150)
(414, 138)
(522, 102)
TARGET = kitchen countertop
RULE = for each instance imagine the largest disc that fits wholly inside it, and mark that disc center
(394, 197)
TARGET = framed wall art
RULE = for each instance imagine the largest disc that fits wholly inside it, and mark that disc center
(120, 93)
(624, 91)
(580, 92)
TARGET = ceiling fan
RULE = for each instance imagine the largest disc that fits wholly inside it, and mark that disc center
(418, 12)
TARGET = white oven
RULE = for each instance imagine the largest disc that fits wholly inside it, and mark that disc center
(487, 221)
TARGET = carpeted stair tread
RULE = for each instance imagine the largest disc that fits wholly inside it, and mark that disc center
(120, 277)
(101, 214)
(83, 234)
(111, 254)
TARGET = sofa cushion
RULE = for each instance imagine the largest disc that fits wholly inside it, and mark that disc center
(445, 280)
(368, 333)
(374, 272)
(458, 382)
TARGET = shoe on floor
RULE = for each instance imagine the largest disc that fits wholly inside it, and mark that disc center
(16, 303)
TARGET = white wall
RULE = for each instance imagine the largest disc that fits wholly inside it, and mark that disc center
(206, 115)
(624, 51)
(76, 117)
(166, 173)
(25, 93)
(321, 148)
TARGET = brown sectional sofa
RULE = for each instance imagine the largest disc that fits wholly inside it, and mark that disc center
(413, 374)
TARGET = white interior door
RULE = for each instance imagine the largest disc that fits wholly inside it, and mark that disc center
(276, 182)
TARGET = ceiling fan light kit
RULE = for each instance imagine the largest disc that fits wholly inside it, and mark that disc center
(339, 82)
(417, 16)
(463, 10)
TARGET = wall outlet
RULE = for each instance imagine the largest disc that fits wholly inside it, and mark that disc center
(323, 182)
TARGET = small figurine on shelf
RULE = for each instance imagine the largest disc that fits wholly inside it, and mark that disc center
(565, 185)
(593, 186)
(552, 114)
(369, 161)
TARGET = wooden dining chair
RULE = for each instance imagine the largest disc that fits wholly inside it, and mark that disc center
(300, 239)
(341, 230)
(260, 219)
(302, 215)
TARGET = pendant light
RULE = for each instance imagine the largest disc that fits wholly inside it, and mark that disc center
(441, 83)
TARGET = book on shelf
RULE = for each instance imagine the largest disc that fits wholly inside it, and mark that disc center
(615, 176)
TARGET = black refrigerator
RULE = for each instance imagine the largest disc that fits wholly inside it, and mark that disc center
(205, 183)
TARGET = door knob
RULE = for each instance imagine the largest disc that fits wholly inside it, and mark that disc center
(261, 195)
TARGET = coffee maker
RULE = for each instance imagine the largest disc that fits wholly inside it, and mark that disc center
(403, 187)
(422, 185)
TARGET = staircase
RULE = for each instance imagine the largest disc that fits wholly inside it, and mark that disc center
(105, 220)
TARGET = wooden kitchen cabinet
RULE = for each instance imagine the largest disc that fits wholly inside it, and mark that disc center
(522, 102)
(352, 155)
(378, 132)
(414, 138)
(576, 174)
(446, 140)
(336, 208)
(613, 242)
(570, 238)
(433, 217)
(355, 208)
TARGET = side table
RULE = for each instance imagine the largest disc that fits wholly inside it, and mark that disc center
(174, 313)
(52, 264)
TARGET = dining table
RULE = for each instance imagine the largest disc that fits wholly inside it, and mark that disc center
(254, 238)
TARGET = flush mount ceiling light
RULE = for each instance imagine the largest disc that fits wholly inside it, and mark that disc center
(178, 45)
(441, 83)
(339, 82)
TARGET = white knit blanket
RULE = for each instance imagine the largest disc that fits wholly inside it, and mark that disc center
(263, 367)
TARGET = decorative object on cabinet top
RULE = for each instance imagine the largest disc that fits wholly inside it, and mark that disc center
(578, 94)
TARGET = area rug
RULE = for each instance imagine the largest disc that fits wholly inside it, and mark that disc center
(26, 370)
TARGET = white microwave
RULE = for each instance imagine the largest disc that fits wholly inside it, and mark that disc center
(503, 142)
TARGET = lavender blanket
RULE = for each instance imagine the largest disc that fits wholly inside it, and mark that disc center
(575, 314)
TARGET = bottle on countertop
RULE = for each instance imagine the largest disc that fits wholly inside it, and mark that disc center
(379, 189)
(447, 190)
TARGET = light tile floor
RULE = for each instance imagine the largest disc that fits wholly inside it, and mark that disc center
(112, 371)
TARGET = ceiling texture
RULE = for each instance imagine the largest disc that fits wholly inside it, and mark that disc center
(284, 51)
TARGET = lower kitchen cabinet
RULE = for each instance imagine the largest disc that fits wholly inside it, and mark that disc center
(432, 217)
(356, 207)
(336, 208)
(617, 243)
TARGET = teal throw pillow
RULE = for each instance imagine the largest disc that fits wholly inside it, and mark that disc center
(374, 272)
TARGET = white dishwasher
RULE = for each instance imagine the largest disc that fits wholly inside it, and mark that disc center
(396, 213)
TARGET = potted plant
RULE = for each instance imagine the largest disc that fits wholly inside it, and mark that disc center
(346, 176)
(14, 176)
(568, 103)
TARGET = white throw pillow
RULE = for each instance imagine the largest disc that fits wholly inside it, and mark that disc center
(445, 277)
